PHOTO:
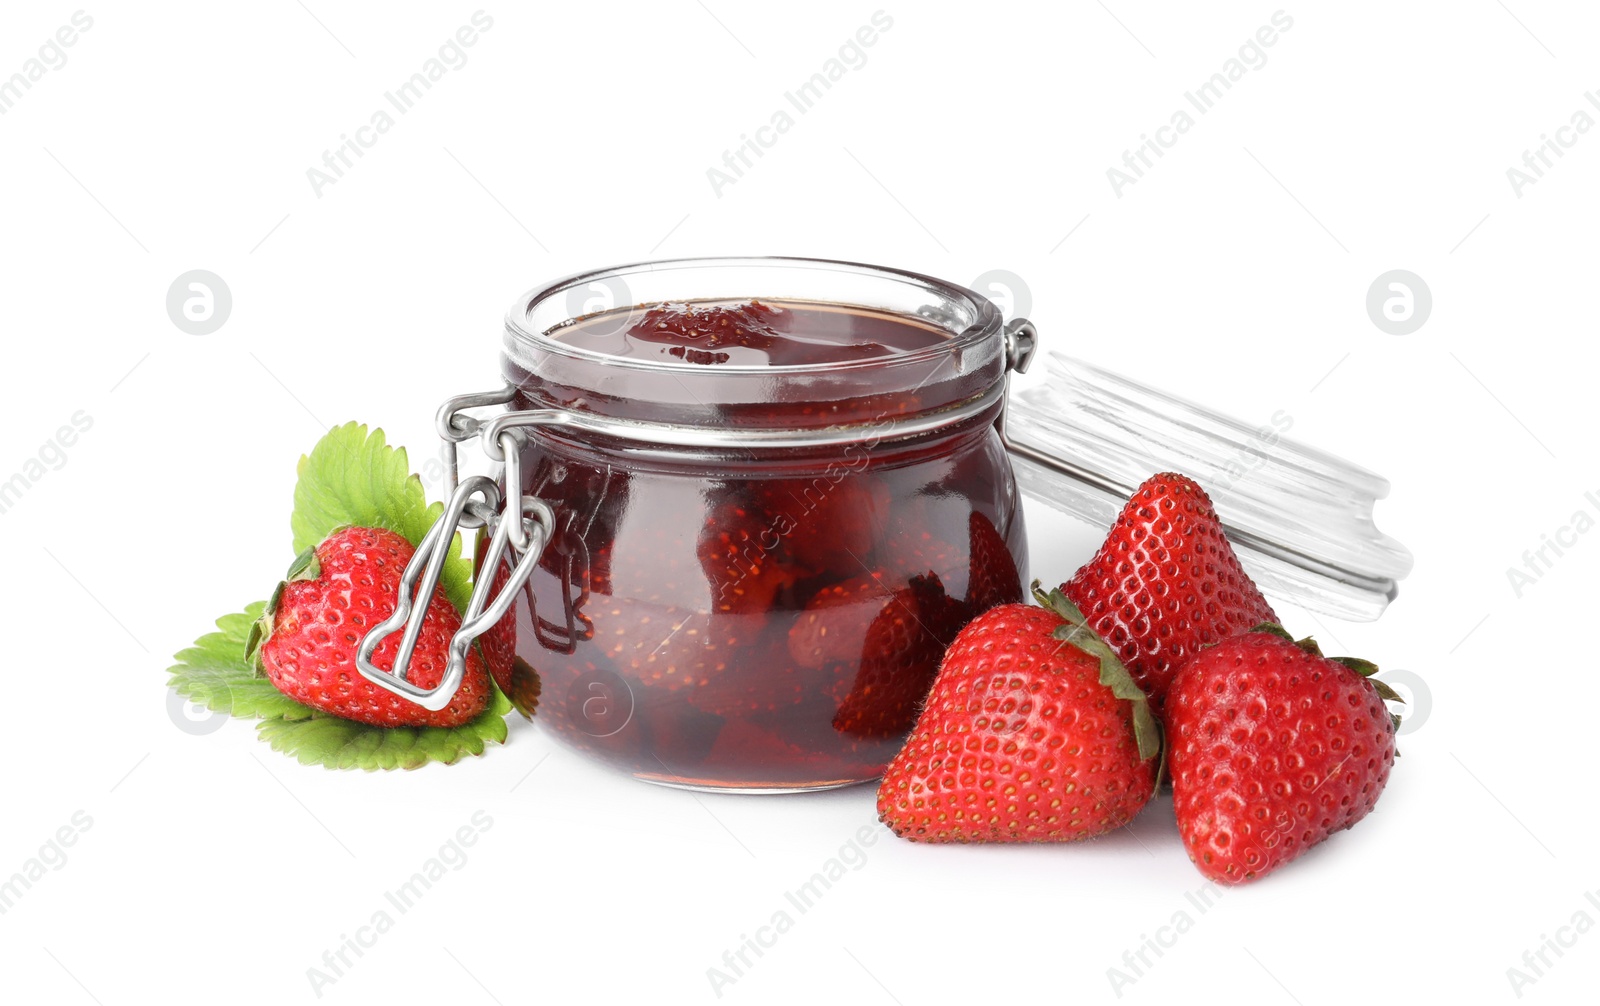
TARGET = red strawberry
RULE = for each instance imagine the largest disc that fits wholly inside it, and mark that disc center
(994, 578)
(741, 551)
(500, 641)
(1273, 748)
(832, 526)
(666, 647)
(696, 333)
(516, 678)
(306, 641)
(835, 622)
(760, 679)
(899, 657)
(1165, 583)
(1033, 732)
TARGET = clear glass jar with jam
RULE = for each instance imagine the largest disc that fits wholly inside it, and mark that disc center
(790, 495)
(761, 495)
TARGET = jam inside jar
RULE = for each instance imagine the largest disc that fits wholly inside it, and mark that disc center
(786, 494)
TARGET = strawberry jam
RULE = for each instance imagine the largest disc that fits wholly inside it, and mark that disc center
(766, 617)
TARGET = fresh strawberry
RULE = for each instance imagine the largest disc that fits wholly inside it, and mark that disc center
(1033, 732)
(994, 578)
(1165, 583)
(898, 658)
(516, 678)
(499, 643)
(306, 641)
(1273, 748)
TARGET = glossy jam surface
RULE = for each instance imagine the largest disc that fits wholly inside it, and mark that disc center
(706, 363)
(748, 333)
(763, 621)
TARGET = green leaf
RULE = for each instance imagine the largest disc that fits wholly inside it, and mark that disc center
(353, 477)
(339, 743)
(215, 673)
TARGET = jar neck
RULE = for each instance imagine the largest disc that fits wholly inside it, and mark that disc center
(752, 343)
(876, 446)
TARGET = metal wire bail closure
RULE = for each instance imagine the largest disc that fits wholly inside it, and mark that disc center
(531, 522)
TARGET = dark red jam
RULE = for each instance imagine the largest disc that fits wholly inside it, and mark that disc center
(750, 333)
(766, 619)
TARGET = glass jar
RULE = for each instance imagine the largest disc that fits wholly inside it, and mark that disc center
(755, 568)
(734, 562)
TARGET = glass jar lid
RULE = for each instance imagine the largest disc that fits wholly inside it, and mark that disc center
(575, 345)
(1299, 518)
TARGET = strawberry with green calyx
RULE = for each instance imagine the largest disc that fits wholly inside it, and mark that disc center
(307, 639)
(1273, 748)
(1033, 732)
(1165, 583)
(350, 479)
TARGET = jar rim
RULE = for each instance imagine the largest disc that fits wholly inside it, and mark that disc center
(986, 323)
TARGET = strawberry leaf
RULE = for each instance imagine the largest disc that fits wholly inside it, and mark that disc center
(333, 742)
(214, 672)
(353, 477)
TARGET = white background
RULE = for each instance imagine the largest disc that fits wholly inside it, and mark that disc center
(975, 137)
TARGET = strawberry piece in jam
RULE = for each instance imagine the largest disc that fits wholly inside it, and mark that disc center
(994, 580)
(741, 550)
(752, 333)
(704, 334)
(900, 658)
